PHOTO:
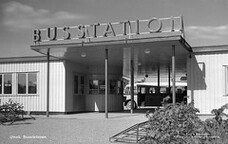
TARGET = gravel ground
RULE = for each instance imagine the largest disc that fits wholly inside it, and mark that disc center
(87, 128)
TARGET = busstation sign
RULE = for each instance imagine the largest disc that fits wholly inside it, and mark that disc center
(123, 29)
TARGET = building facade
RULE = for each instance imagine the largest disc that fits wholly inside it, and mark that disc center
(88, 74)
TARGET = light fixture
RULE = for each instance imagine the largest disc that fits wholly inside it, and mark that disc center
(139, 63)
(83, 54)
(147, 51)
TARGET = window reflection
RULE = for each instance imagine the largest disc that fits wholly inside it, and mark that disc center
(8, 84)
(32, 83)
(21, 84)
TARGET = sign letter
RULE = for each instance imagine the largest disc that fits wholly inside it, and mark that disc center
(67, 36)
(81, 28)
(54, 35)
(137, 27)
(37, 36)
(159, 25)
(109, 30)
(95, 29)
(125, 27)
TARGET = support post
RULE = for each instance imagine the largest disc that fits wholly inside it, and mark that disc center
(158, 79)
(132, 81)
(48, 80)
(169, 77)
(173, 75)
(159, 94)
(106, 83)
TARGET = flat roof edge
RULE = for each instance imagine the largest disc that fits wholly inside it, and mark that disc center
(212, 48)
(108, 42)
(185, 44)
(26, 59)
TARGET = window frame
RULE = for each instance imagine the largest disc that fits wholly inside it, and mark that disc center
(27, 83)
(74, 84)
(3, 84)
(80, 84)
(91, 91)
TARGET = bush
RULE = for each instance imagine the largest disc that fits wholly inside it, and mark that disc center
(17, 107)
(174, 124)
(179, 124)
(217, 126)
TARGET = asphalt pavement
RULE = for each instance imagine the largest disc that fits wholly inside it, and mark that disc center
(82, 128)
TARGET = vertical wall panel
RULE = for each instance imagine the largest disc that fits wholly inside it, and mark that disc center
(38, 102)
(206, 86)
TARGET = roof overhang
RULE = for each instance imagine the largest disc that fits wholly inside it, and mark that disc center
(176, 40)
(160, 52)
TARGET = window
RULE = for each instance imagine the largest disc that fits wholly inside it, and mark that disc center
(5, 83)
(82, 85)
(143, 90)
(164, 90)
(8, 84)
(93, 87)
(152, 90)
(21, 83)
(75, 84)
(27, 83)
(101, 87)
(32, 83)
(78, 87)
(96, 87)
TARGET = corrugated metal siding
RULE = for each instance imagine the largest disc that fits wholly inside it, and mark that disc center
(205, 80)
(38, 102)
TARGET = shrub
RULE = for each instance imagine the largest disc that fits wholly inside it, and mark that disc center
(217, 126)
(17, 107)
(179, 124)
(174, 124)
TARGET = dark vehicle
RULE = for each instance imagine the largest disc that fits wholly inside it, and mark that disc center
(149, 94)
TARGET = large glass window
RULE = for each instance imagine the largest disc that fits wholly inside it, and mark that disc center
(82, 85)
(27, 83)
(32, 83)
(7, 83)
(93, 87)
(22, 83)
(75, 84)
(101, 86)
(96, 87)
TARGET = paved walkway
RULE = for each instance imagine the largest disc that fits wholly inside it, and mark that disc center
(84, 128)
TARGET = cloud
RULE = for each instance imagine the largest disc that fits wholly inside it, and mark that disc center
(207, 34)
(21, 16)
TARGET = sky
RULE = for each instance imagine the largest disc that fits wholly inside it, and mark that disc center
(205, 21)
